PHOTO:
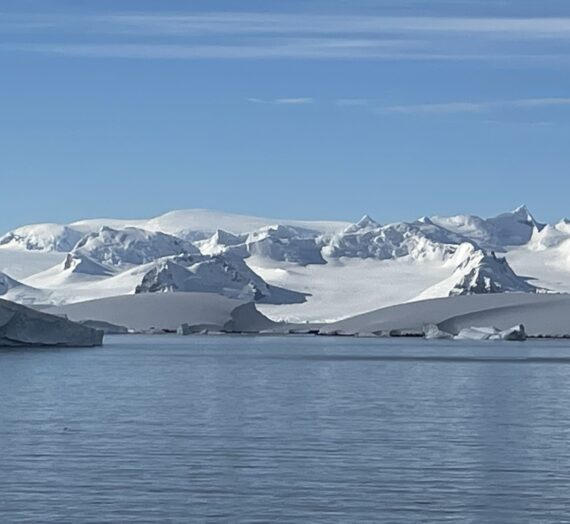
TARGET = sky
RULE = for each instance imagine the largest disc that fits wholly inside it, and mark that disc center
(313, 109)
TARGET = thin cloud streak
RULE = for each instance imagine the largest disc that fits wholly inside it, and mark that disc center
(234, 35)
(293, 49)
(473, 107)
(165, 24)
(283, 101)
(449, 108)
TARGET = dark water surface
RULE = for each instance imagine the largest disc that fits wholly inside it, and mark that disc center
(244, 429)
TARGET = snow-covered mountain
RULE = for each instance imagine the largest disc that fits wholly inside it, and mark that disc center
(507, 229)
(228, 276)
(130, 246)
(279, 243)
(480, 273)
(368, 239)
(299, 270)
(42, 237)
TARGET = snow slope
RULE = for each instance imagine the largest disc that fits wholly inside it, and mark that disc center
(20, 263)
(196, 223)
(347, 286)
(15, 291)
(540, 314)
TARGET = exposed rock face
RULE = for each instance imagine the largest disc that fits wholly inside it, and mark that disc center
(224, 275)
(204, 274)
(479, 273)
(21, 326)
(486, 273)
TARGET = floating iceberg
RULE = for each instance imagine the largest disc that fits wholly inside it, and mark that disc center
(516, 333)
(432, 332)
(22, 326)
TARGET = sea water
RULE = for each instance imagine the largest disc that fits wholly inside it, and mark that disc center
(286, 429)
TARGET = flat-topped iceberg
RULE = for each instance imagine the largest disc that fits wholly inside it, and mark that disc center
(22, 326)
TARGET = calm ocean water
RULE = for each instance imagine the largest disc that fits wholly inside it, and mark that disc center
(246, 429)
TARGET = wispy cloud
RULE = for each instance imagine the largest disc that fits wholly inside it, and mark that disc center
(443, 108)
(473, 107)
(294, 101)
(283, 101)
(262, 49)
(172, 24)
(240, 35)
(487, 108)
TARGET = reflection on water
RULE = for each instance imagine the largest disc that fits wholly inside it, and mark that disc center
(243, 429)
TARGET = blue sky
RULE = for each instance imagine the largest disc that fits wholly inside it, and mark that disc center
(301, 109)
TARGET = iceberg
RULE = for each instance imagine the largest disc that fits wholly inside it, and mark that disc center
(432, 332)
(516, 333)
(22, 326)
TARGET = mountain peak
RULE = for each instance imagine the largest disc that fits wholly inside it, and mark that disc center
(522, 209)
(367, 222)
(524, 213)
